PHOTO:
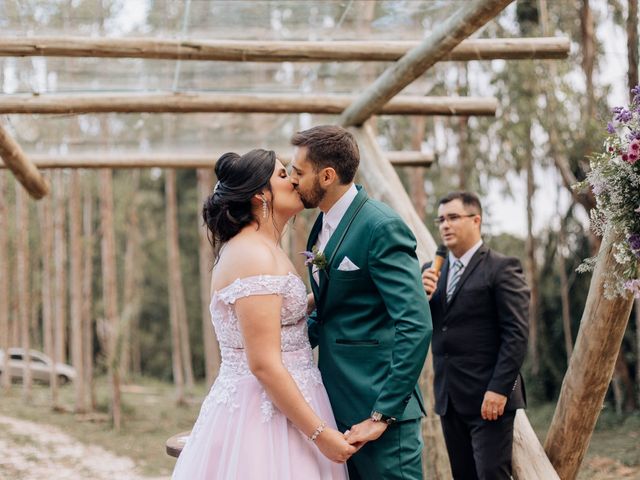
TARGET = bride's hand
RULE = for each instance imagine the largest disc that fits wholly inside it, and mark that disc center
(333, 446)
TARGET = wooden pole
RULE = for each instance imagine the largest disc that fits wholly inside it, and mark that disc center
(187, 160)
(530, 462)
(193, 102)
(5, 378)
(590, 370)
(276, 51)
(75, 245)
(24, 171)
(205, 256)
(418, 60)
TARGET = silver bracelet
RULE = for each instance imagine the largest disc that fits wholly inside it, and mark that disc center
(318, 431)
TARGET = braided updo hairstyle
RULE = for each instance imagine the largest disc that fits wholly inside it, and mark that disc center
(228, 209)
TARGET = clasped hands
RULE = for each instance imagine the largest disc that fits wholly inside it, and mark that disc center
(339, 447)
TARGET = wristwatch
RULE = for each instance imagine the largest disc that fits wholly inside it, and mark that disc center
(379, 417)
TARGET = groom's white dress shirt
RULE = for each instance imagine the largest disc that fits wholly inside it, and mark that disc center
(331, 220)
(465, 259)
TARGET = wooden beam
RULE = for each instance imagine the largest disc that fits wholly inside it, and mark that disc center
(435, 47)
(530, 462)
(191, 160)
(276, 51)
(591, 366)
(234, 102)
(24, 171)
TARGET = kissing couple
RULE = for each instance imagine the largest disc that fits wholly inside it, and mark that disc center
(272, 413)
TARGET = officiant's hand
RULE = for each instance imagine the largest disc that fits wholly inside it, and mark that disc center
(364, 432)
(333, 445)
(429, 281)
(493, 405)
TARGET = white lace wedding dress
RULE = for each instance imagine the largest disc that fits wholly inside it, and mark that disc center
(239, 433)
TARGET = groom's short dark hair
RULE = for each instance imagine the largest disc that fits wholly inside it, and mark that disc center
(468, 199)
(330, 146)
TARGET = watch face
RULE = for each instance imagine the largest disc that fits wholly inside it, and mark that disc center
(376, 416)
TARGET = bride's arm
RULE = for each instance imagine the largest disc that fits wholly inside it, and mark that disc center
(259, 317)
(260, 325)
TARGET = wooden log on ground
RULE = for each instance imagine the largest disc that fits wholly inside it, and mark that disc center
(196, 102)
(26, 173)
(418, 60)
(530, 461)
(184, 160)
(276, 51)
(175, 444)
(590, 370)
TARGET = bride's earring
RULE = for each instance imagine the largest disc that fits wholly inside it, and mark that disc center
(265, 210)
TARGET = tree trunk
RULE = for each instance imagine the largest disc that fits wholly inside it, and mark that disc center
(587, 29)
(60, 283)
(5, 379)
(22, 277)
(110, 292)
(75, 244)
(564, 293)
(90, 400)
(132, 277)
(418, 193)
(463, 130)
(632, 43)
(211, 348)
(626, 401)
(173, 263)
(590, 369)
(531, 265)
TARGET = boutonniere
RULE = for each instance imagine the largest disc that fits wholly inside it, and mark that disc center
(314, 257)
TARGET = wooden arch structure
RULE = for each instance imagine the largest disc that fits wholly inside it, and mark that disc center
(584, 386)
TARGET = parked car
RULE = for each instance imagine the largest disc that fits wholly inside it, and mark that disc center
(40, 366)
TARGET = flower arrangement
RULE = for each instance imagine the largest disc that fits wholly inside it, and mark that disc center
(315, 257)
(615, 181)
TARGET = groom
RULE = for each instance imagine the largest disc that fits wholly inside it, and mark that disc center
(372, 321)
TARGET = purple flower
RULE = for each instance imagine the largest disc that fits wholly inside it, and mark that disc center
(636, 93)
(633, 286)
(634, 243)
(598, 188)
(622, 115)
(611, 128)
(308, 257)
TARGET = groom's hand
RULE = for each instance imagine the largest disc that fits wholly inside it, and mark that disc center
(493, 405)
(364, 432)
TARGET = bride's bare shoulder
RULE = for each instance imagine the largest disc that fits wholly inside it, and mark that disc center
(244, 256)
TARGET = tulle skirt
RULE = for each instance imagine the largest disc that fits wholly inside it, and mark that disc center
(240, 435)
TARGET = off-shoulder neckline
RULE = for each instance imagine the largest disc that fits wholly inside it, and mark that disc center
(251, 277)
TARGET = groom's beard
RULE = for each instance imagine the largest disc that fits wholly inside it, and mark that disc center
(313, 198)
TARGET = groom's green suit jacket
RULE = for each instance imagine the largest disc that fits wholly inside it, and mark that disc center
(372, 325)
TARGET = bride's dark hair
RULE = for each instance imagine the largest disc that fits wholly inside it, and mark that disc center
(228, 209)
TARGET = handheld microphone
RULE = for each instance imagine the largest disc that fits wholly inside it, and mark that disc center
(441, 255)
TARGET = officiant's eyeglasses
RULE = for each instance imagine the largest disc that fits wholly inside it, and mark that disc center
(450, 219)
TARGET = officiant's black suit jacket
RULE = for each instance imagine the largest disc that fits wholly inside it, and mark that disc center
(480, 336)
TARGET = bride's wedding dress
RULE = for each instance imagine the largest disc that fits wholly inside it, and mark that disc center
(239, 433)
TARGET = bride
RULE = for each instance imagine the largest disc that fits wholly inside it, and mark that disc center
(267, 415)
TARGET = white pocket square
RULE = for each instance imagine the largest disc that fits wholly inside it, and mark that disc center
(347, 265)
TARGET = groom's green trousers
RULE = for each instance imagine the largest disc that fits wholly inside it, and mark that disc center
(396, 455)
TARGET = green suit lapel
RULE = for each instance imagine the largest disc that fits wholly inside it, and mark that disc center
(338, 236)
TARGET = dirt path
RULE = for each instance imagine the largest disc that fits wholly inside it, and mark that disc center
(32, 451)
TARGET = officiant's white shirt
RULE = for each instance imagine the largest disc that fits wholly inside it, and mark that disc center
(331, 220)
(465, 259)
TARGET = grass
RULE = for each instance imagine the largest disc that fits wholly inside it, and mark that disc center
(151, 416)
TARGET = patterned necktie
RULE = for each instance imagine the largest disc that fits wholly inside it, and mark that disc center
(456, 273)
